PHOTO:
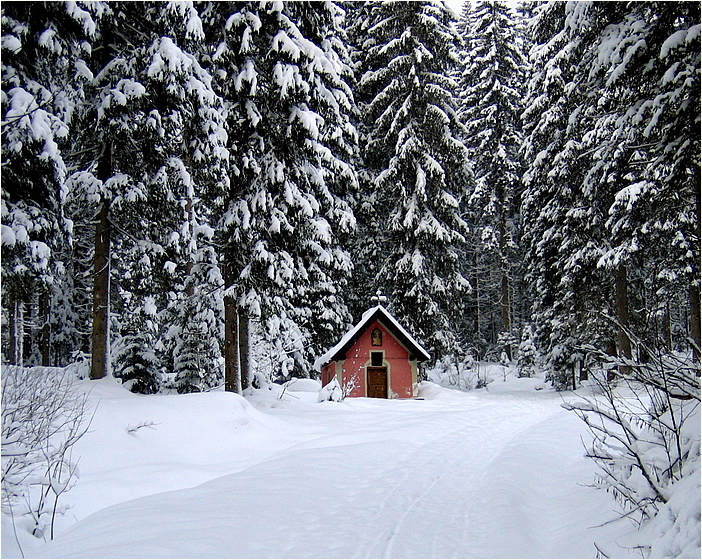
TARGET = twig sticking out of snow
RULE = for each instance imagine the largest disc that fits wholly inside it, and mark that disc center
(133, 429)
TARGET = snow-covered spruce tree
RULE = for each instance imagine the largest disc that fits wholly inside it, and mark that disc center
(189, 117)
(654, 126)
(624, 153)
(277, 348)
(527, 353)
(418, 165)
(155, 115)
(563, 225)
(41, 50)
(592, 227)
(492, 83)
(198, 176)
(279, 70)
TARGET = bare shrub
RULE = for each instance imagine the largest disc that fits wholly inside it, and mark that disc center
(645, 427)
(43, 416)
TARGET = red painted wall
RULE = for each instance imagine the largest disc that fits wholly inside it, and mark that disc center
(358, 357)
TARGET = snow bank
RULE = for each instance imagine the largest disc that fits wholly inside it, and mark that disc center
(304, 385)
(489, 473)
(675, 531)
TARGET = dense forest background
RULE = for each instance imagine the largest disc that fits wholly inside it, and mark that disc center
(198, 193)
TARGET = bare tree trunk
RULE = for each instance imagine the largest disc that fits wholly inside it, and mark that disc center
(190, 286)
(477, 294)
(16, 328)
(506, 314)
(695, 290)
(506, 303)
(666, 331)
(622, 310)
(232, 373)
(244, 349)
(45, 330)
(101, 296)
(695, 319)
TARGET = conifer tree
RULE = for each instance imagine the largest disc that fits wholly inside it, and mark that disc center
(417, 164)
(593, 147)
(279, 70)
(42, 48)
(527, 353)
(564, 298)
(153, 112)
(491, 106)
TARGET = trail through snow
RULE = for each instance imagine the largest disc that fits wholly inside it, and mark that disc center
(485, 474)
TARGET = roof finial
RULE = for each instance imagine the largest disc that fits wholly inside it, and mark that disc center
(379, 298)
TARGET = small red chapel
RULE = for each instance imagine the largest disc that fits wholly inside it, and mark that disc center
(377, 358)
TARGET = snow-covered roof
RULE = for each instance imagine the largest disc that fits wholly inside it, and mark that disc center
(382, 314)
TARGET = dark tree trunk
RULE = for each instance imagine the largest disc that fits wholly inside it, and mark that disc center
(506, 304)
(695, 290)
(476, 296)
(45, 330)
(99, 367)
(16, 330)
(232, 374)
(622, 310)
(244, 350)
(506, 315)
(695, 320)
(666, 331)
(190, 285)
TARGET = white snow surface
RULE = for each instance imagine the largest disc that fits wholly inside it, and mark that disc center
(491, 473)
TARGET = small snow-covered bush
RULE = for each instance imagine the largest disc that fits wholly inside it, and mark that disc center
(43, 416)
(561, 367)
(331, 392)
(451, 372)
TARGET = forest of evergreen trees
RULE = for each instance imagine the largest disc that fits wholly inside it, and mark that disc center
(195, 192)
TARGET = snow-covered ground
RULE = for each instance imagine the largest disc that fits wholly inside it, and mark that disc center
(491, 473)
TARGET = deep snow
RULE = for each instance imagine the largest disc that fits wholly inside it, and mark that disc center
(496, 473)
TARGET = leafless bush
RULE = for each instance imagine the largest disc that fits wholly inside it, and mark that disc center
(349, 386)
(645, 426)
(43, 417)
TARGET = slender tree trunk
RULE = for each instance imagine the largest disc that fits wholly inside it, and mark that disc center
(695, 290)
(666, 331)
(16, 328)
(190, 213)
(244, 349)
(476, 292)
(101, 296)
(45, 330)
(622, 310)
(506, 303)
(232, 373)
(506, 314)
(190, 286)
(695, 319)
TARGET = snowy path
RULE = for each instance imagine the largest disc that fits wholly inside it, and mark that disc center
(477, 475)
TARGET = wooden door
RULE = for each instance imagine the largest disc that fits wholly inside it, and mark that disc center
(378, 382)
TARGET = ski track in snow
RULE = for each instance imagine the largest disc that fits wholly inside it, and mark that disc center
(474, 475)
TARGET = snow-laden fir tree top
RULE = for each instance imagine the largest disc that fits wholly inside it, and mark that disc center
(418, 163)
(284, 78)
